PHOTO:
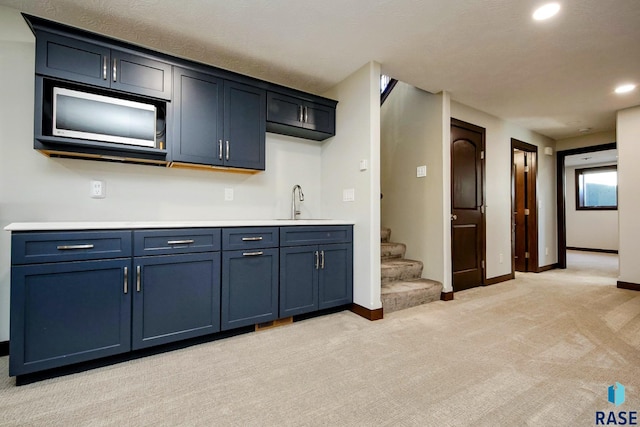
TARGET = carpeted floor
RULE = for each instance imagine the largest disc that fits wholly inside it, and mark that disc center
(539, 350)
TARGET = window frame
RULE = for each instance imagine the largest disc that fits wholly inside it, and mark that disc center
(580, 193)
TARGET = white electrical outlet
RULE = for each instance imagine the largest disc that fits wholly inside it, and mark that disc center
(546, 251)
(348, 195)
(228, 194)
(364, 165)
(98, 189)
(501, 258)
(421, 171)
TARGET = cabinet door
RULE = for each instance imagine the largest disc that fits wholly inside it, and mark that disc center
(72, 59)
(198, 107)
(298, 280)
(244, 126)
(320, 118)
(336, 275)
(249, 287)
(284, 109)
(175, 297)
(141, 75)
(68, 312)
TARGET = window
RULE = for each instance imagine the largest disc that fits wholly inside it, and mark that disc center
(597, 188)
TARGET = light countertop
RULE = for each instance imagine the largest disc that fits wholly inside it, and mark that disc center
(123, 225)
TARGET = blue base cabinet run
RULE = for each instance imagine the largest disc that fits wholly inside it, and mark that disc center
(77, 296)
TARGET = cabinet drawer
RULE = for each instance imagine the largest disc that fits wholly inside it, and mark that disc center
(249, 238)
(309, 235)
(175, 241)
(31, 248)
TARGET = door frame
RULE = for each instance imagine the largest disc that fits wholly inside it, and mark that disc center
(533, 264)
(562, 196)
(483, 223)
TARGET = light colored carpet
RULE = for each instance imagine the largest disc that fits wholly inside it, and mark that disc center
(540, 350)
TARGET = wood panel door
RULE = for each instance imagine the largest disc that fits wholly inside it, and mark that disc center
(524, 203)
(467, 205)
(519, 206)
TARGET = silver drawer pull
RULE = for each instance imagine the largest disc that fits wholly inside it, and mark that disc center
(252, 239)
(72, 247)
(180, 242)
(126, 280)
(252, 253)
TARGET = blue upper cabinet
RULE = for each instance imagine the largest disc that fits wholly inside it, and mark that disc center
(313, 118)
(218, 122)
(100, 65)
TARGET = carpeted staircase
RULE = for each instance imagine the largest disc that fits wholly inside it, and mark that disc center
(402, 285)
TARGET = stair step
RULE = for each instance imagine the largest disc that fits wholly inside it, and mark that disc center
(395, 270)
(390, 250)
(400, 295)
(385, 234)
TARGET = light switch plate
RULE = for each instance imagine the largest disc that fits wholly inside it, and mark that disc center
(228, 194)
(348, 195)
(421, 171)
(364, 164)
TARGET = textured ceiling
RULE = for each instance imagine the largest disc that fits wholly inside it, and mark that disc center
(553, 77)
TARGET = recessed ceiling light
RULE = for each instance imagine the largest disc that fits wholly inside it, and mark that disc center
(625, 88)
(546, 11)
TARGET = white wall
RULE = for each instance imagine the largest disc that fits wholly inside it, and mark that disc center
(628, 136)
(358, 118)
(498, 185)
(588, 229)
(36, 188)
(411, 135)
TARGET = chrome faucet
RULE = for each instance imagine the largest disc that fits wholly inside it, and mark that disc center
(294, 211)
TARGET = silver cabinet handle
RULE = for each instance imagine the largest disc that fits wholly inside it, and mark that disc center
(317, 260)
(72, 247)
(306, 115)
(126, 280)
(227, 155)
(115, 69)
(252, 239)
(454, 217)
(322, 262)
(104, 67)
(138, 278)
(220, 150)
(300, 116)
(180, 242)
(258, 253)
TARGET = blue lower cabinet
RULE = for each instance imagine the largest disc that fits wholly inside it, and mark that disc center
(175, 297)
(298, 280)
(68, 312)
(249, 287)
(315, 277)
(335, 285)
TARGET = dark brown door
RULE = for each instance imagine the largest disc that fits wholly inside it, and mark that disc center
(519, 206)
(467, 199)
(524, 204)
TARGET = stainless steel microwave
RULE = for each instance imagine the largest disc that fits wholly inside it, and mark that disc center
(89, 116)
